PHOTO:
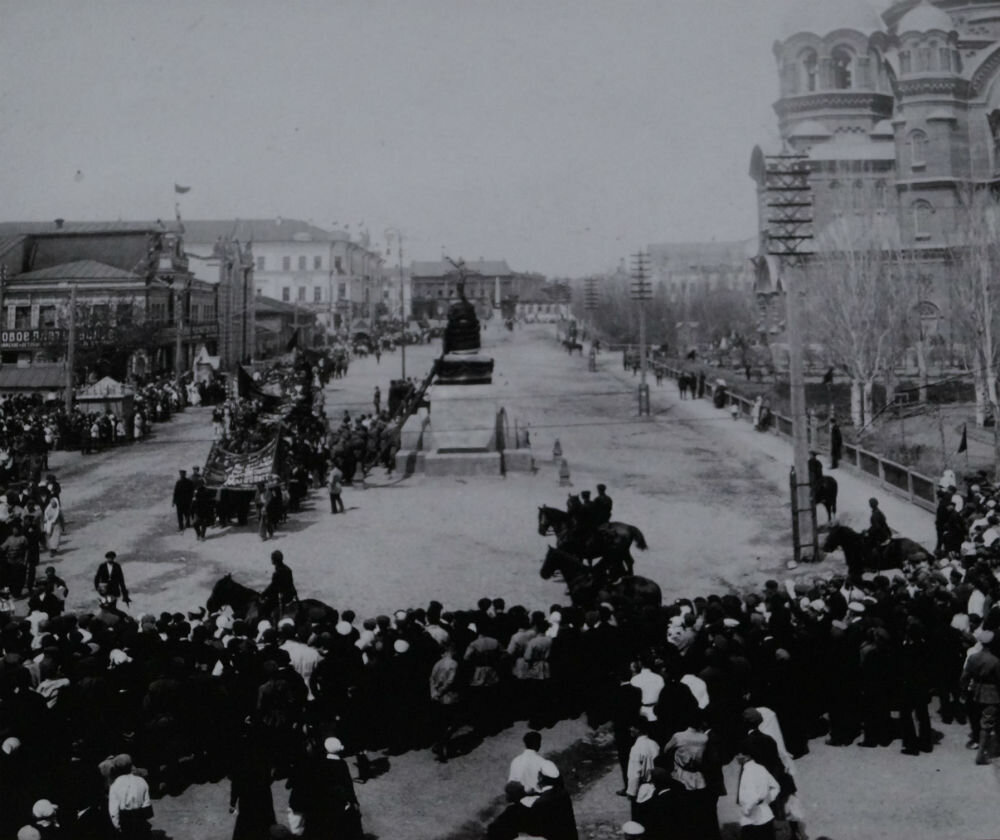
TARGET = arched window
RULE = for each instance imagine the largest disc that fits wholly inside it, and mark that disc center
(922, 212)
(904, 61)
(810, 68)
(843, 65)
(918, 149)
(945, 54)
(858, 195)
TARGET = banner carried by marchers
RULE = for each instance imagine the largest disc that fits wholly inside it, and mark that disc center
(242, 470)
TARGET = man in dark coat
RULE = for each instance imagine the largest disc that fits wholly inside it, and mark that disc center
(183, 495)
(836, 444)
(110, 581)
(281, 590)
(602, 506)
(331, 807)
(815, 474)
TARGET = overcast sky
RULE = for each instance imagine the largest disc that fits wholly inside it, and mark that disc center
(556, 134)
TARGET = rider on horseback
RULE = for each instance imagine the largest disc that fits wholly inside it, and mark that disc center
(281, 591)
(879, 533)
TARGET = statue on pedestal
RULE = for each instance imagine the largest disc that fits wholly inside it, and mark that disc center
(461, 362)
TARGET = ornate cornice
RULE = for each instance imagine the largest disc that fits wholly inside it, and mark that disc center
(836, 100)
(953, 86)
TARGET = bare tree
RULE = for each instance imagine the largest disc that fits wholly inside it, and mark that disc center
(859, 296)
(975, 251)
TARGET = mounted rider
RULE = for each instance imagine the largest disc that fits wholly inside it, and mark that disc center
(879, 533)
(281, 591)
(602, 506)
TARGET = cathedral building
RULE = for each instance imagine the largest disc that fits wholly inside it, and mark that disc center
(896, 106)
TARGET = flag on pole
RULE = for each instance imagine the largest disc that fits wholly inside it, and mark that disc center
(293, 342)
(964, 443)
(181, 190)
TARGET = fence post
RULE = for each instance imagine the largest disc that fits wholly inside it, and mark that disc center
(909, 485)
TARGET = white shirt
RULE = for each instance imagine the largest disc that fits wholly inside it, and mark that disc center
(303, 659)
(526, 768)
(650, 685)
(128, 793)
(757, 790)
(640, 763)
(990, 535)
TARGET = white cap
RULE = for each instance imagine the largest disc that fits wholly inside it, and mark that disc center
(633, 829)
(333, 746)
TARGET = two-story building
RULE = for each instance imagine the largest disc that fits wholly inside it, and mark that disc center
(295, 262)
(137, 304)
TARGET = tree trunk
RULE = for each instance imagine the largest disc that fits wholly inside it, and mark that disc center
(980, 384)
(866, 401)
(922, 373)
(890, 381)
(857, 418)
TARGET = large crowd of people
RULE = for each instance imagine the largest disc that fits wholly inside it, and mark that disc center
(100, 713)
(683, 687)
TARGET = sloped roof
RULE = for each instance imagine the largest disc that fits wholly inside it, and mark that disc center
(105, 387)
(13, 228)
(440, 268)
(38, 377)
(262, 303)
(79, 270)
(9, 241)
(257, 230)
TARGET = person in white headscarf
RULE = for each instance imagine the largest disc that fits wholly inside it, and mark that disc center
(53, 524)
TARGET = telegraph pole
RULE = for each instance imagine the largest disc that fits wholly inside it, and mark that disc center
(641, 291)
(790, 239)
(179, 338)
(71, 350)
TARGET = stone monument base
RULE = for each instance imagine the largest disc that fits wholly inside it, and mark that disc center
(465, 369)
(465, 432)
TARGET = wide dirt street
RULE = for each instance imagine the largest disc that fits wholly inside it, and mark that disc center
(707, 493)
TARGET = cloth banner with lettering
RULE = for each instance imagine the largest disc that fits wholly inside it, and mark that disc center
(242, 470)
(248, 389)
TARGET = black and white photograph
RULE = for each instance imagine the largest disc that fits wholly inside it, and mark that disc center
(500, 420)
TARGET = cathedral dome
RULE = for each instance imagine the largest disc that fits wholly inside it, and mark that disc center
(925, 18)
(821, 17)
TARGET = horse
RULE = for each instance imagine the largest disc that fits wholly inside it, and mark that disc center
(611, 541)
(586, 589)
(246, 603)
(900, 552)
(826, 495)
(571, 345)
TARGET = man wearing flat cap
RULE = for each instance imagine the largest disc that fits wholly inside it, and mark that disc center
(110, 581)
(330, 806)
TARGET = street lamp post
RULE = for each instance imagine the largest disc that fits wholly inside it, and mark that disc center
(397, 234)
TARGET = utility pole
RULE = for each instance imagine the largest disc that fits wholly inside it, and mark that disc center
(179, 337)
(71, 350)
(790, 239)
(641, 291)
(402, 310)
(590, 299)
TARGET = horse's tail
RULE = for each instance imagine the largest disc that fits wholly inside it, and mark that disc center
(640, 540)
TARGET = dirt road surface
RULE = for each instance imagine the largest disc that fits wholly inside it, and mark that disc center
(708, 493)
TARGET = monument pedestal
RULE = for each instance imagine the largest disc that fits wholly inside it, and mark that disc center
(464, 433)
(465, 368)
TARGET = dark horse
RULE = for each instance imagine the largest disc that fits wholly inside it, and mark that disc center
(572, 346)
(826, 495)
(587, 589)
(246, 603)
(610, 541)
(860, 555)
